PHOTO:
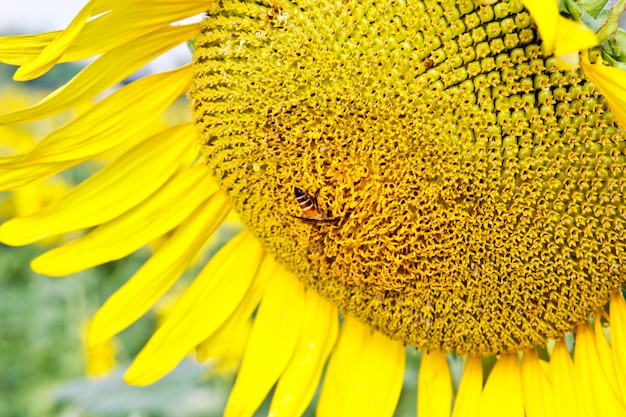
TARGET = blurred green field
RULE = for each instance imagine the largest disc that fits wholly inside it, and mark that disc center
(42, 352)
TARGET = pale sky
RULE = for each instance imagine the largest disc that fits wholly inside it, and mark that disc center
(34, 16)
(23, 16)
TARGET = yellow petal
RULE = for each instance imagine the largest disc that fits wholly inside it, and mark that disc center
(160, 272)
(538, 395)
(103, 33)
(546, 17)
(100, 359)
(301, 377)
(562, 379)
(503, 390)
(54, 50)
(21, 49)
(434, 389)
(12, 178)
(573, 36)
(272, 342)
(611, 82)
(118, 187)
(568, 61)
(224, 351)
(160, 213)
(108, 124)
(606, 358)
(211, 347)
(104, 72)
(593, 389)
(115, 120)
(364, 374)
(121, 25)
(203, 308)
(30, 199)
(618, 339)
(470, 388)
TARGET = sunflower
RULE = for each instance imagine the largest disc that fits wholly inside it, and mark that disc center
(447, 175)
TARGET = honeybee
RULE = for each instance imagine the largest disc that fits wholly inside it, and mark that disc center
(310, 209)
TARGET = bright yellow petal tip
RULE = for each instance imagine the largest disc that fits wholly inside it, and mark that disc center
(52, 52)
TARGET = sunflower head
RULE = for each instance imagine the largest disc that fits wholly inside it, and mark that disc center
(475, 188)
(436, 170)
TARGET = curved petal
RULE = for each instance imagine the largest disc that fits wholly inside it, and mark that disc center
(271, 345)
(538, 395)
(562, 378)
(160, 272)
(546, 17)
(593, 389)
(51, 53)
(470, 389)
(160, 213)
(12, 178)
(103, 33)
(605, 355)
(121, 185)
(298, 383)
(116, 119)
(202, 309)
(121, 26)
(618, 339)
(103, 127)
(21, 49)
(364, 375)
(240, 319)
(612, 84)
(104, 72)
(434, 388)
(503, 390)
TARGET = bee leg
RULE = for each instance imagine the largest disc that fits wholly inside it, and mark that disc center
(314, 198)
(318, 222)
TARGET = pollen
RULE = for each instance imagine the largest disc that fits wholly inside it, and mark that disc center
(476, 189)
